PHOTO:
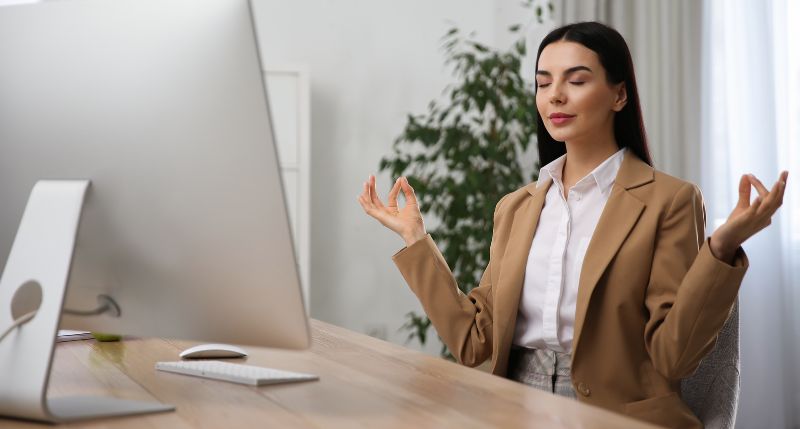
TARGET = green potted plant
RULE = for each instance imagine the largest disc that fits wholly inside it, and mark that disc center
(463, 154)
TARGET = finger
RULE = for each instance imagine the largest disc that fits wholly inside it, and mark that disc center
(374, 193)
(393, 194)
(369, 207)
(763, 214)
(744, 192)
(364, 192)
(753, 210)
(371, 210)
(762, 190)
(364, 205)
(408, 191)
(782, 180)
(774, 200)
(367, 197)
(774, 193)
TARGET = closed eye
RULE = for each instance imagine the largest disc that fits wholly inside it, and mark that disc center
(577, 83)
(543, 85)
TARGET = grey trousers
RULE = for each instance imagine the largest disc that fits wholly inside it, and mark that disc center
(543, 369)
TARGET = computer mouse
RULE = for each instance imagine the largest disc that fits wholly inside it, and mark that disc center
(212, 351)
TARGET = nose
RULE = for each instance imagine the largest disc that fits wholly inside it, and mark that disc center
(556, 94)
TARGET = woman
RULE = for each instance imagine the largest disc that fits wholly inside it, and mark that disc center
(600, 280)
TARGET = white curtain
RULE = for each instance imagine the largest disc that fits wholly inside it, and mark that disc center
(664, 38)
(720, 91)
(751, 117)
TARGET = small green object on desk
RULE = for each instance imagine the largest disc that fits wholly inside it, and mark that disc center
(99, 336)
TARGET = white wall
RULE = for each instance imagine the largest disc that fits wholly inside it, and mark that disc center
(371, 63)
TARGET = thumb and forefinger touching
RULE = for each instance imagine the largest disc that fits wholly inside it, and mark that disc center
(768, 201)
(372, 204)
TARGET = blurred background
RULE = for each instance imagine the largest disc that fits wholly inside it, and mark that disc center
(720, 88)
(719, 82)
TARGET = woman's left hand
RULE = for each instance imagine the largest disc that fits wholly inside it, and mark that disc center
(747, 219)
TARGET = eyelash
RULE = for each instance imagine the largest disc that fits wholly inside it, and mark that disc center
(543, 85)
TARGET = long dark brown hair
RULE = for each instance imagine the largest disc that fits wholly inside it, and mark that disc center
(615, 57)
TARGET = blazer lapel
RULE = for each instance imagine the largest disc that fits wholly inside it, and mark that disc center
(619, 216)
(509, 282)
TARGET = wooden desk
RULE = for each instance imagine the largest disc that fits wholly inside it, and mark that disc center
(364, 382)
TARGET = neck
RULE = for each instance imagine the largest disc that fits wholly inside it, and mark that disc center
(585, 156)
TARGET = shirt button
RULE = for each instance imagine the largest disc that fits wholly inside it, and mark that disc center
(583, 389)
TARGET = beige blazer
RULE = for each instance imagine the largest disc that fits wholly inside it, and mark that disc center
(651, 297)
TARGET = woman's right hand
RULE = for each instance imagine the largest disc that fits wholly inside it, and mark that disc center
(406, 222)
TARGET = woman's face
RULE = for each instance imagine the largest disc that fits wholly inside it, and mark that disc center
(573, 96)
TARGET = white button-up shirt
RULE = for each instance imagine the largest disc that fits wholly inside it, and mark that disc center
(546, 316)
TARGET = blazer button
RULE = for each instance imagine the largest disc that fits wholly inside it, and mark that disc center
(583, 389)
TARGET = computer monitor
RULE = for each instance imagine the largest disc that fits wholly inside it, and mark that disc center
(161, 106)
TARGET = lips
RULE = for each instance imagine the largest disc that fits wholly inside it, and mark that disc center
(560, 118)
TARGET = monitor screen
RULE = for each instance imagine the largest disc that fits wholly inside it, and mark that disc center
(162, 106)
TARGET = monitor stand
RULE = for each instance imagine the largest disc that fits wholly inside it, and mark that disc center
(36, 274)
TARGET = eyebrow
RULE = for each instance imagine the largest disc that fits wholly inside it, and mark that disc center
(569, 71)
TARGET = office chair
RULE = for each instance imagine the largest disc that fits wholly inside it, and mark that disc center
(712, 392)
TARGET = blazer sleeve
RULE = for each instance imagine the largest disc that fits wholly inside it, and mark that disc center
(464, 322)
(690, 293)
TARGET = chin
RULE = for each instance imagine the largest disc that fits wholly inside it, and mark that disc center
(560, 136)
(564, 134)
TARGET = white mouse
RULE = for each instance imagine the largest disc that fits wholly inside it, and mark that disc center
(211, 351)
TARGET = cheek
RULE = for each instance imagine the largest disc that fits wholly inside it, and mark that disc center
(596, 104)
(541, 103)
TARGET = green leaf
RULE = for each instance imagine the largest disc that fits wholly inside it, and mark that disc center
(461, 155)
(519, 47)
(479, 47)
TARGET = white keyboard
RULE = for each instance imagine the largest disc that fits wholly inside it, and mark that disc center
(234, 372)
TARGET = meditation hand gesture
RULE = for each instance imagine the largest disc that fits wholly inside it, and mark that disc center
(747, 219)
(406, 222)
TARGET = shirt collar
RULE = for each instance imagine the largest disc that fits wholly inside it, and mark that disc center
(603, 175)
(606, 173)
(551, 171)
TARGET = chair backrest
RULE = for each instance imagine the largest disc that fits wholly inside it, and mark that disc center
(712, 392)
